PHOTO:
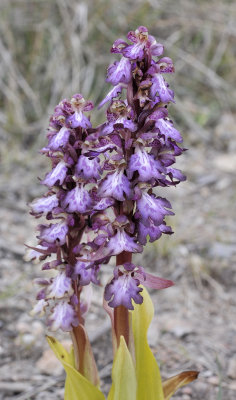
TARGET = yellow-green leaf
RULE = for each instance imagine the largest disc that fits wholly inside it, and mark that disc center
(77, 387)
(123, 375)
(172, 384)
(149, 385)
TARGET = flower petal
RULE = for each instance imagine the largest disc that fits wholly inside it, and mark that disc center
(57, 174)
(60, 285)
(44, 204)
(121, 290)
(77, 199)
(54, 232)
(39, 308)
(134, 51)
(159, 85)
(145, 165)
(88, 168)
(115, 185)
(59, 140)
(86, 272)
(119, 71)
(153, 207)
(63, 317)
(167, 129)
(114, 92)
(152, 230)
(121, 241)
(78, 119)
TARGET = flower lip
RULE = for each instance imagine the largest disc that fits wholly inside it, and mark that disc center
(57, 174)
(63, 316)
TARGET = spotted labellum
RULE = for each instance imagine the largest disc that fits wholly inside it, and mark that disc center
(104, 193)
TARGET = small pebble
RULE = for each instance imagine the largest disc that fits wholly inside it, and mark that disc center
(214, 380)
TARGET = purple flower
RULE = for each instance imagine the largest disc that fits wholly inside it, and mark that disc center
(150, 206)
(119, 71)
(57, 174)
(54, 232)
(86, 272)
(175, 173)
(154, 232)
(88, 168)
(103, 203)
(60, 285)
(121, 241)
(139, 39)
(78, 119)
(64, 317)
(166, 128)
(121, 290)
(114, 92)
(59, 140)
(44, 204)
(156, 49)
(119, 116)
(77, 200)
(118, 46)
(35, 254)
(145, 165)
(39, 308)
(115, 185)
(124, 287)
(159, 85)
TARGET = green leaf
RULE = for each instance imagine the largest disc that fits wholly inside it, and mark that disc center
(172, 384)
(123, 375)
(147, 371)
(77, 387)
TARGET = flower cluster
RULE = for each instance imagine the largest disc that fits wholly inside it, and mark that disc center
(100, 200)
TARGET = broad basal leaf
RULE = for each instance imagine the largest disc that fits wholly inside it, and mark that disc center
(77, 387)
(123, 375)
(149, 385)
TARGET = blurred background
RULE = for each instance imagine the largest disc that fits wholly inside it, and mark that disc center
(50, 50)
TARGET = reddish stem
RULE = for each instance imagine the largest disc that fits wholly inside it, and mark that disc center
(121, 313)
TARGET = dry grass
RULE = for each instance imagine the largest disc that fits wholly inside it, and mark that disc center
(52, 49)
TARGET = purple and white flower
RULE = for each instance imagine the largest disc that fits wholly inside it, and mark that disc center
(119, 72)
(86, 272)
(77, 200)
(167, 129)
(63, 316)
(121, 290)
(115, 185)
(60, 286)
(57, 174)
(88, 168)
(113, 93)
(59, 140)
(44, 204)
(54, 233)
(154, 208)
(145, 165)
(153, 231)
(121, 241)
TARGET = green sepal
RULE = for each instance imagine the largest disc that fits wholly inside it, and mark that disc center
(123, 375)
(149, 385)
(77, 387)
